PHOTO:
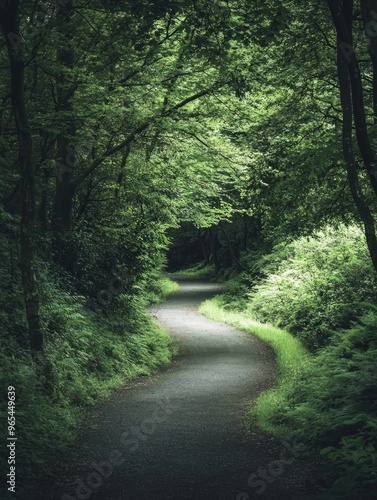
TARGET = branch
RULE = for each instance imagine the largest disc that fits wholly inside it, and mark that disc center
(210, 148)
(186, 101)
(131, 137)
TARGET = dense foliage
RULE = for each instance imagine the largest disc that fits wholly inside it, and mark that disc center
(331, 405)
(91, 351)
(322, 291)
(235, 136)
(315, 285)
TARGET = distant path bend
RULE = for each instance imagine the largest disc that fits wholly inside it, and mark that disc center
(182, 434)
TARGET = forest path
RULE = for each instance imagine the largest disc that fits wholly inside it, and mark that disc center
(181, 434)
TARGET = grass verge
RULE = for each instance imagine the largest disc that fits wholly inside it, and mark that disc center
(291, 356)
(160, 289)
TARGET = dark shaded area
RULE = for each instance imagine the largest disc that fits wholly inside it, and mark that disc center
(185, 249)
(221, 245)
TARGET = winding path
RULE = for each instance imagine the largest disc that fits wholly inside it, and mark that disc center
(182, 434)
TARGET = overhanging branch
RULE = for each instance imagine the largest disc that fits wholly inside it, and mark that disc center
(131, 137)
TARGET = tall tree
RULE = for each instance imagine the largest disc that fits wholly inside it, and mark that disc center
(356, 189)
(62, 210)
(9, 13)
(341, 12)
(353, 110)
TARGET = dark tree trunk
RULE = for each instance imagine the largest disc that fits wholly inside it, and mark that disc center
(348, 153)
(369, 13)
(233, 255)
(341, 11)
(246, 232)
(213, 247)
(9, 24)
(85, 201)
(65, 160)
(203, 246)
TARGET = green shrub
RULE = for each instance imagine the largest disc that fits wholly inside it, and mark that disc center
(236, 297)
(159, 287)
(332, 406)
(318, 285)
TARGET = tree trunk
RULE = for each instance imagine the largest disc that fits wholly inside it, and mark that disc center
(246, 232)
(369, 13)
(203, 246)
(64, 192)
(348, 153)
(9, 24)
(233, 255)
(341, 11)
(213, 246)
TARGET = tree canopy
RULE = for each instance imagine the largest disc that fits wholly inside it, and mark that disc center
(136, 135)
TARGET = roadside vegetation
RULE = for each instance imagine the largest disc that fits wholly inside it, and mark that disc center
(91, 350)
(322, 291)
(201, 270)
(291, 355)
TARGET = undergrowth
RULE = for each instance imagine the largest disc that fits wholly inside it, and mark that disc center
(159, 288)
(322, 290)
(331, 404)
(91, 352)
(201, 270)
(328, 402)
(310, 287)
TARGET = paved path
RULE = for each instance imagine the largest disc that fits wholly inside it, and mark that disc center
(182, 434)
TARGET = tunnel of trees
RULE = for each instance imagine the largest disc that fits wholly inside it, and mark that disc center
(237, 138)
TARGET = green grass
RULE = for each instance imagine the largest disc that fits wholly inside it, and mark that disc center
(167, 287)
(200, 270)
(291, 356)
(161, 289)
